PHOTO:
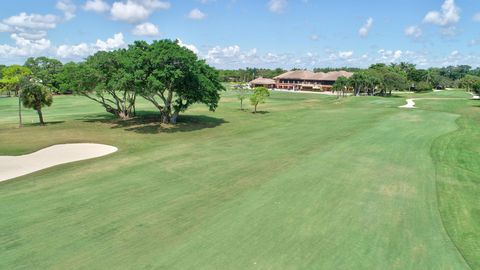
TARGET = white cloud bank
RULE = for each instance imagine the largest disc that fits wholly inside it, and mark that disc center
(83, 49)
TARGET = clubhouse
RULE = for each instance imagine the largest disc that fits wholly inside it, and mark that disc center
(302, 80)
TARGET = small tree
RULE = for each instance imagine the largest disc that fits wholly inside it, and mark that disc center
(242, 94)
(259, 96)
(12, 78)
(36, 96)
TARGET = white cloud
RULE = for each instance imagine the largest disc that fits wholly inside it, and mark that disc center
(146, 29)
(133, 11)
(365, 29)
(230, 55)
(98, 6)
(67, 7)
(74, 51)
(111, 43)
(188, 46)
(32, 21)
(4, 28)
(413, 32)
(196, 14)
(450, 14)
(314, 37)
(24, 47)
(32, 27)
(390, 55)
(83, 49)
(277, 6)
(449, 31)
(345, 55)
(476, 17)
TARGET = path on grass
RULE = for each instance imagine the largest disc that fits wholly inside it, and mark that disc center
(15, 166)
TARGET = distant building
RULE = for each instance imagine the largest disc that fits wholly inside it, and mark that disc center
(308, 80)
(262, 82)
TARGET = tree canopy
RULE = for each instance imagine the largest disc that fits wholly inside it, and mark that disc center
(259, 96)
(172, 78)
(12, 77)
(46, 70)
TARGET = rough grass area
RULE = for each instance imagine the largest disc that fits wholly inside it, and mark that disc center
(311, 182)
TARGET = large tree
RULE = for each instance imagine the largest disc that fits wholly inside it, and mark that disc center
(172, 78)
(106, 78)
(394, 81)
(469, 82)
(46, 70)
(36, 96)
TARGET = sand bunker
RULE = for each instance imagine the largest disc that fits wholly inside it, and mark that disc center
(15, 166)
(410, 104)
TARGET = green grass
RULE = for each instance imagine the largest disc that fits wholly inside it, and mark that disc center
(311, 183)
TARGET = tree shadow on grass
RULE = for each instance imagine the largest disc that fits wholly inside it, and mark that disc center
(148, 123)
(260, 112)
(47, 123)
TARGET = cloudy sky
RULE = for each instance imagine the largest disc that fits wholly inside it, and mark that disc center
(256, 33)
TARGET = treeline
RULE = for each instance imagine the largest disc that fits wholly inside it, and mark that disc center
(382, 79)
(171, 77)
(248, 74)
(408, 75)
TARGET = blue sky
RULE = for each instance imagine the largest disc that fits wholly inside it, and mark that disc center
(241, 33)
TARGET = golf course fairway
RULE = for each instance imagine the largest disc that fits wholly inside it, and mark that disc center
(310, 182)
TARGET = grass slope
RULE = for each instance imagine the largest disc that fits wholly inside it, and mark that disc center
(312, 183)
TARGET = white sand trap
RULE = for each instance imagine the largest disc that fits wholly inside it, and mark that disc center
(410, 104)
(15, 166)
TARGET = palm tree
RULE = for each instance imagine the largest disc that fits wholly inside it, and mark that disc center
(36, 96)
(340, 85)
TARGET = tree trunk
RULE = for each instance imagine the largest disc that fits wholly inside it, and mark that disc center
(40, 117)
(165, 118)
(241, 104)
(173, 119)
(255, 109)
(20, 124)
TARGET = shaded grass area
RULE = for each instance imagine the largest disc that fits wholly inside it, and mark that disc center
(315, 183)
